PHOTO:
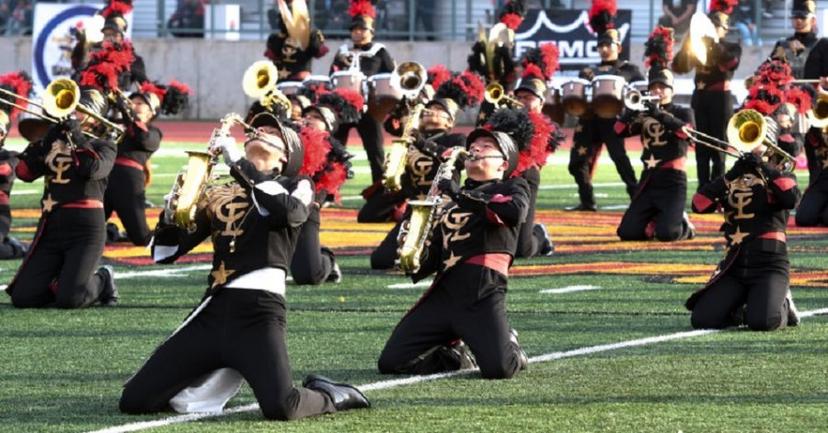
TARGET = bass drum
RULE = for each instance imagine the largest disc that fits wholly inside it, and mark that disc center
(383, 96)
(608, 95)
(553, 107)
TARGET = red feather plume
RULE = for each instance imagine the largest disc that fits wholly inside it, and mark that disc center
(799, 98)
(117, 7)
(538, 150)
(601, 6)
(724, 6)
(181, 87)
(438, 75)
(512, 21)
(332, 179)
(472, 85)
(352, 97)
(362, 8)
(316, 147)
(21, 84)
(550, 55)
(532, 71)
(150, 87)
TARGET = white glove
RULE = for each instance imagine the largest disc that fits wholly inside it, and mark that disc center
(229, 150)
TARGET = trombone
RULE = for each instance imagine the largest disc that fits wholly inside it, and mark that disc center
(62, 98)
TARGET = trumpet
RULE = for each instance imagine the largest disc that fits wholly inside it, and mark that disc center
(634, 100)
(259, 82)
(496, 95)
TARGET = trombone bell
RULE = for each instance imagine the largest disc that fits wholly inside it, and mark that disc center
(410, 78)
(747, 129)
(260, 78)
(61, 98)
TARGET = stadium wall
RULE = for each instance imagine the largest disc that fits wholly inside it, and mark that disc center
(214, 68)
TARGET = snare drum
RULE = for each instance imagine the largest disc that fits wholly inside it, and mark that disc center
(348, 80)
(574, 96)
(608, 95)
(383, 96)
(289, 88)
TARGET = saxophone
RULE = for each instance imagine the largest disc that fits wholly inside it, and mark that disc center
(394, 166)
(181, 203)
(417, 229)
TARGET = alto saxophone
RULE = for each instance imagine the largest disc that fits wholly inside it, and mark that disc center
(181, 203)
(415, 231)
(394, 166)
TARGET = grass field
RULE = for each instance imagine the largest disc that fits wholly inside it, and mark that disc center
(62, 371)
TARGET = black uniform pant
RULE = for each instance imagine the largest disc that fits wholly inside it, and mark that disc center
(239, 329)
(311, 263)
(9, 248)
(370, 131)
(814, 163)
(758, 280)
(530, 241)
(450, 310)
(125, 194)
(60, 268)
(585, 152)
(380, 207)
(712, 110)
(661, 200)
(813, 208)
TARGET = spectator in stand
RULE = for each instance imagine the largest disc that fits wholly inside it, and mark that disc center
(5, 13)
(188, 19)
(742, 19)
(677, 15)
(19, 21)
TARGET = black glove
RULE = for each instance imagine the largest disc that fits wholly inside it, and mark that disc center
(123, 106)
(449, 187)
(71, 129)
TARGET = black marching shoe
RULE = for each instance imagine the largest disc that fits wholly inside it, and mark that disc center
(343, 396)
(522, 358)
(582, 208)
(109, 293)
(547, 247)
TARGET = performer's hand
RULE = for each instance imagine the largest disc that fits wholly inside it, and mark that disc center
(72, 131)
(449, 187)
(228, 149)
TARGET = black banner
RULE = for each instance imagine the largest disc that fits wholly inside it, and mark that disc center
(569, 30)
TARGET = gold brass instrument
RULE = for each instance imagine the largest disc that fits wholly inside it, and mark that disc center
(818, 114)
(395, 159)
(181, 204)
(746, 129)
(634, 100)
(499, 35)
(415, 231)
(410, 78)
(61, 98)
(496, 95)
(700, 27)
(259, 82)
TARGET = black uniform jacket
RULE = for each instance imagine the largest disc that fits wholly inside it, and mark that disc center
(253, 223)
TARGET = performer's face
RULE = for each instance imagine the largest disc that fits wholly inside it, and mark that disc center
(608, 51)
(529, 100)
(141, 109)
(295, 111)
(361, 36)
(435, 118)
(314, 120)
(486, 162)
(265, 154)
(113, 36)
(803, 25)
(662, 91)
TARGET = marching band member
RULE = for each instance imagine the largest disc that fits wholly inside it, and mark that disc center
(21, 84)
(296, 44)
(657, 209)
(796, 49)
(372, 58)
(813, 209)
(238, 331)
(711, 102)
(592, 132)
(126, 190)
(539, 65)
(60, 268)
(425, 154)
(757, 198)
(471, 249)
(313, 263)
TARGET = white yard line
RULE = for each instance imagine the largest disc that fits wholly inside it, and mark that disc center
(385, 384)
(425, 283)
(163, 273)
(569, 289)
